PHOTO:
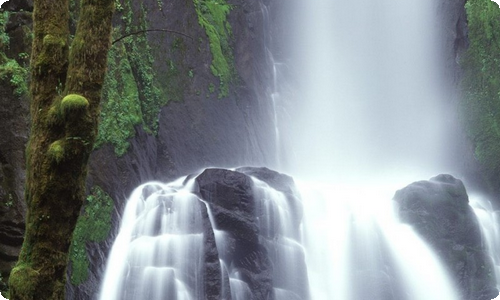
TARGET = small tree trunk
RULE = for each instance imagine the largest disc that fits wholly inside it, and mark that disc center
(65, 89)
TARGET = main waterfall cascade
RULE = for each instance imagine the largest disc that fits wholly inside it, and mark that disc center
(370, 122)
(160, 250)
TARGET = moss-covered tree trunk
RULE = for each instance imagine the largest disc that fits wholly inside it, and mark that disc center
(65, 89)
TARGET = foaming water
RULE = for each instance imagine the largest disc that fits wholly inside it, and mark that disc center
(160, 249)
(357, 249)
(158, 252)
(489, 219)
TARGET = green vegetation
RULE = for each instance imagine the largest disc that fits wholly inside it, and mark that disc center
(212, 16)
(10, 68)
(480, 109)
(120, 110)
(4, 37)
(93, 225)
(131, 95)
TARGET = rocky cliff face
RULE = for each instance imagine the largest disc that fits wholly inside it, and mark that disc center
(196, 126)
(14, 48)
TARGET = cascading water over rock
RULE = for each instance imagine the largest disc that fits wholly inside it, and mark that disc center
(237, 234)
(220, 235)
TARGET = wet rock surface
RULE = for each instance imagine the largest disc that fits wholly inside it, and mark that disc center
(235, 208)
(439, 211)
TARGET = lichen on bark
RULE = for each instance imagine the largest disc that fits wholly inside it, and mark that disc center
(55, 191)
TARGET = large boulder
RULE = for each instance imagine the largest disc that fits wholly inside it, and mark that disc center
(439, 211)
(248, 247)
(232, 204)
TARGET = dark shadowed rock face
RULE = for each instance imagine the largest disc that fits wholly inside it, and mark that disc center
(235, 208)
(14, 126)
(439, 211)
(232, 204)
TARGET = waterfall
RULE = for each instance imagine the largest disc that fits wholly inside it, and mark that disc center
(370, 121)
(357, 249)
(160, 251)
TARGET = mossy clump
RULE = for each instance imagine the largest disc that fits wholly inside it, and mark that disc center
(23, 277)
(51, 40)
(74, 103)
(56, 151)
(93, 225)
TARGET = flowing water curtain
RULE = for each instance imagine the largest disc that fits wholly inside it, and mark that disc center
(357, 249)
(158, 253)
(489, 219)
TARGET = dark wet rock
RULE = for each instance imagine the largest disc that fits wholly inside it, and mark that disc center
(18, 5)
(230, 197)
(249, 253)
(13, 115)
(438, 210)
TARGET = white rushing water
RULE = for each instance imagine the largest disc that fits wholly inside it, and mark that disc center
(371, 100)
(159, 249)
(372, 120)
(357, 249)
(489, 219)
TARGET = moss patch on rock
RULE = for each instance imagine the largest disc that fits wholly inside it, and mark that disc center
(480, 106)
(93, 225)
(212, 16)
(131, 95)
(120, 110)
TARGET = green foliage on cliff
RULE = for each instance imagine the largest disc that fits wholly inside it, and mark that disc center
(93, 225)
(131, 95)
(121, 109)
(212, 16)
(10, 69)
(480, 109)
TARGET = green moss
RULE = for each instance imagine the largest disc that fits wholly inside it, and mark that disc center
(141, 61)
(93, 225)
(16, 74)
(23, 277)
(56, 151)
(121, 109)
(4, 37)
(74, 102)
(212, 16)
(131, 94)
(480, 106)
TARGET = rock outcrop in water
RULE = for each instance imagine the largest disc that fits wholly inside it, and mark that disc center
(250, 243)
(220, 235)
(439, 211)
